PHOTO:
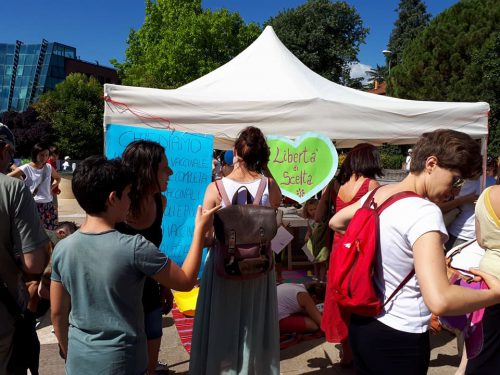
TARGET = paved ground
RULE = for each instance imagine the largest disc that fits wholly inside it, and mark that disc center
(310, 357)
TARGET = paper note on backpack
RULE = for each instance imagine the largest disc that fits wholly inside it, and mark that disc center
(304, 166)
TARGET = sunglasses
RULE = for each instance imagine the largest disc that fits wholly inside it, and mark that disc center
(457, 182)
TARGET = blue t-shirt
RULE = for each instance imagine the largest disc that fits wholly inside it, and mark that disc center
(104, 274)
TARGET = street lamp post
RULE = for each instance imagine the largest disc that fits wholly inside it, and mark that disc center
(388, 55)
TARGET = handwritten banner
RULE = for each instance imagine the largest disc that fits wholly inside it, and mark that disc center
(190, 158)
(303, 167)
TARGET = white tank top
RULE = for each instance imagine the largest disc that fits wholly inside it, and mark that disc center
(231, 186)
(38, 179)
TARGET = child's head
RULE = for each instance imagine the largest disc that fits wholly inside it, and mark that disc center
(310, 208)
(65, 228)
(317, 290)
(96, 180)
(53, 153)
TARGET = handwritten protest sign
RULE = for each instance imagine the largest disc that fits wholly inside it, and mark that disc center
(190, 158)
(302, 167)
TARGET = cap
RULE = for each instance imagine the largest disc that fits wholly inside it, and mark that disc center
(67, 158)
(6, 135)
(410, 150)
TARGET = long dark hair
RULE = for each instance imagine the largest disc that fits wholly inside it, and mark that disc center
(363, 160)
(252, 148)
(142, 158)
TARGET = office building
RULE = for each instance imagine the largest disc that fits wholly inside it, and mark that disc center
(29, 70)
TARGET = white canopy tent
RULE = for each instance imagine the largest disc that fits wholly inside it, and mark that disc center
(268, 87)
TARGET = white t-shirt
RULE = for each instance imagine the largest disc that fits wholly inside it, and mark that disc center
(408, 162)
(287, 299)
(464, 225)
(401, 224)
(34, 181)
(232, 186)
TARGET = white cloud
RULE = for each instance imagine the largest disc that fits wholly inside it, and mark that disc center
(359, 70)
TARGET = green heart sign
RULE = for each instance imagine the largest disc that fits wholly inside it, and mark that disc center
(303, 167)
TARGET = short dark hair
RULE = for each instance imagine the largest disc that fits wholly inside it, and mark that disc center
(36, 149)
(454, 150)
(362, 160)
(95, 178)
(252, 148)
(71, 226)
(317, 289)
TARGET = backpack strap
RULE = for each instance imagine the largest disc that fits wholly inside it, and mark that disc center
(396, 197)
(260, 191)
(369, 200)
(379, 209)
(222, 192)
(400, 286)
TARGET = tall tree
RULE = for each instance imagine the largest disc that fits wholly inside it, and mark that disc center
(75, 110)
(456, 59)
(412, 19)
(28, 129)
(179, 42)
(324, 35)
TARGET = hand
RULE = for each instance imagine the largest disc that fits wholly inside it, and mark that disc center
(204, 218)
(490, 280)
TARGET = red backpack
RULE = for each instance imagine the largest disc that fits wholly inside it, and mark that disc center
(354, 260)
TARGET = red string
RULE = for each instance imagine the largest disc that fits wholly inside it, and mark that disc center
(145, 117)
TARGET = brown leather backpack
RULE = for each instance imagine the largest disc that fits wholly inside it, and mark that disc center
(243, 234)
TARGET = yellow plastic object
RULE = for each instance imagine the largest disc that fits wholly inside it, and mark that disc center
(186, 301)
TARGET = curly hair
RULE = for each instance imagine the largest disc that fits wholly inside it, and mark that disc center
(252, 148)
(142, 158)
(362, 160)
(454, 150)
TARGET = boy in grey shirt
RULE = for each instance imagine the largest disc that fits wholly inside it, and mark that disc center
(98, 276)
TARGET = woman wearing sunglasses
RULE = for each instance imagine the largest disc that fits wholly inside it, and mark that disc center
(412, 234)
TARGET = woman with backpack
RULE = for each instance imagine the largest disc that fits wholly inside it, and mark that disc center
(236, 323)
(356, 177)
(411, 237)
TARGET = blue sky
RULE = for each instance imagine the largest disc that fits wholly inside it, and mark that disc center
(99, 28)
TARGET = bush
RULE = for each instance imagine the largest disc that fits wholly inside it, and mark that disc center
(391, 161)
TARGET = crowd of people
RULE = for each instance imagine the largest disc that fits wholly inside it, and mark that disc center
(108, 277)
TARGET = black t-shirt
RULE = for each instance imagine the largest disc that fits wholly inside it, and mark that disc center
(151, 299)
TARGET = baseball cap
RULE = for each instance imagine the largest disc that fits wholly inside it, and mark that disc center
(6, 135)
(67, 158)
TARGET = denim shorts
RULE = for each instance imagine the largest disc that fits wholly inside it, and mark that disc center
(153, 324)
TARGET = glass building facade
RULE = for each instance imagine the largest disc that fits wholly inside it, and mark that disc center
(28, 70)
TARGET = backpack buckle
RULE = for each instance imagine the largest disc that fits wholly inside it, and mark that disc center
(232, 242)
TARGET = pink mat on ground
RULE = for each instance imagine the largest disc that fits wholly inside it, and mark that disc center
(184, 324)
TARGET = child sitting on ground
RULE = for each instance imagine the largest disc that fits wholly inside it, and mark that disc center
(98, 276)
(297, 310)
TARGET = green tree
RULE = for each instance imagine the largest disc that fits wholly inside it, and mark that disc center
(179, 42)
(75, 110)
(455, 59)
(412, 19)
(324, 35)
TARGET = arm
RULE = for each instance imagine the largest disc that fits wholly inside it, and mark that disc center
(36, 260)
(60, 304)
(17, 173)
(274, 193)
(55, 176)
(185, 277)
(458, 201)
(322, 210)
(441, 297)
(307, 303)
(341, 219)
